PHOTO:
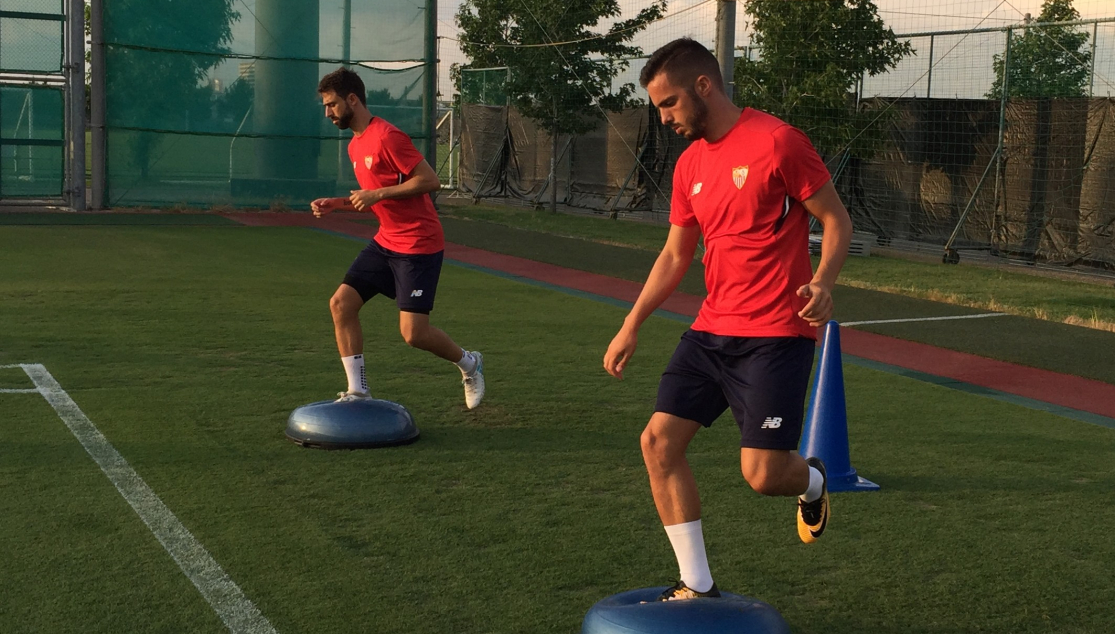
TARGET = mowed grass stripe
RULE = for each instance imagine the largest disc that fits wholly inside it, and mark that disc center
(192, 345)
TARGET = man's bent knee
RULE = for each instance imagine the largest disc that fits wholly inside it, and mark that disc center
(764, 483)
(412, 338)
(345, 302)
(665, 439)
(415, 335)
(770, 472)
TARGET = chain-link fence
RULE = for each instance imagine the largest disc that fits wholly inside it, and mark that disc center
(32, 100)
(966, 143)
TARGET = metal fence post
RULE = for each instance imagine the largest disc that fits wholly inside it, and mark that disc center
(97, 102)
(430, 113)
(1092, 64)
(726, 41)
(929, 79)
(75, 70)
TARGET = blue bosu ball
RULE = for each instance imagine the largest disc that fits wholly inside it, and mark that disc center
(356, 424)
(625, 613)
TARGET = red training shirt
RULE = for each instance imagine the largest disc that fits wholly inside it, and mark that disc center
(745, 192)
(382, 156)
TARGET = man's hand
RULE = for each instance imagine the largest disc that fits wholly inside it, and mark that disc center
(364, 198)
(323, 206)
(819, 309)
(620, 351)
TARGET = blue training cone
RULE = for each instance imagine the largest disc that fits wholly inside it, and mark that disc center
(825, 434)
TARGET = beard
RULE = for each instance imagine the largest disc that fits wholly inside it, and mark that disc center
(698, 125)
(344, 120)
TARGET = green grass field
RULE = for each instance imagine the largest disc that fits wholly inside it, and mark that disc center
(187, 346)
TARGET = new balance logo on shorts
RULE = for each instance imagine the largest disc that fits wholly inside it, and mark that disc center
(416, 293)
(772, 422)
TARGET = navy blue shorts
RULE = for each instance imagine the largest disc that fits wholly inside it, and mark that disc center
(409, 279)
(763, 379)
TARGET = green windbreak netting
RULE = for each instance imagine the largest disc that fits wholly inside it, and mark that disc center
(214, 102)
(32, 137)
(31, 36)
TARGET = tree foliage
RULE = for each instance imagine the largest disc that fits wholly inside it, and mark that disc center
(164, 87)
(811, 56)
(1045, 61)
(560, 70)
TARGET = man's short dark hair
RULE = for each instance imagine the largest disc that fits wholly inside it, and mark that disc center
(343, 82)
(683, 60)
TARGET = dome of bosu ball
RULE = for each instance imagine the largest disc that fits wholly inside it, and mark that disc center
(626, 613)
(355, 424)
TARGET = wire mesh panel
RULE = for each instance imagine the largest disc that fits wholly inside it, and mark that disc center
(1102, 81)
(32, 137)
(215, 101)
(31, 36)
(997, 146)
(484, 86)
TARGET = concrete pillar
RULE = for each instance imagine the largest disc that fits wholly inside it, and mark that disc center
(286, 100)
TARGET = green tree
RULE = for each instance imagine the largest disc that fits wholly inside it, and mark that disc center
(1045, 61)
(232, 104)
(561, 71)
(811, 56)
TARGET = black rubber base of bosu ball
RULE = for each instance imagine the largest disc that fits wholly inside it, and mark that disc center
(625, 613)
(357, 424)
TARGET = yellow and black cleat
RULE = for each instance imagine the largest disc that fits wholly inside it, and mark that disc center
(813, 516)
(681, 591)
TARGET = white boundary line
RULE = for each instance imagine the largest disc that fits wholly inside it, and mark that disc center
(239, 614)
(29, 390)
(903, 321)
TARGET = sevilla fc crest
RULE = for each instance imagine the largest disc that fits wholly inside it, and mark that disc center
(368, 162)
(739, 176)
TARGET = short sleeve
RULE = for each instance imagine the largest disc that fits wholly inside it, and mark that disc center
(681, 211)
(401, 152)
(797, 163)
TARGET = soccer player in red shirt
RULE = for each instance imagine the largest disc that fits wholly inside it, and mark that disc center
(404, 260)
(749, 183)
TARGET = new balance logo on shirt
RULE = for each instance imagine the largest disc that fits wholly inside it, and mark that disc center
(772, 422)
(416, 293)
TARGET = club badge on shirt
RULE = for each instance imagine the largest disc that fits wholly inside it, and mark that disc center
(368, 162)
(739, 176)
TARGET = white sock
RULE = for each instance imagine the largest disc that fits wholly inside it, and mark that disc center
(354, 369)
(689, 548)
(816, 480)
(467, 364)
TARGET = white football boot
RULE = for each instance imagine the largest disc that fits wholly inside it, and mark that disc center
(474, 383)
(348, 397)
